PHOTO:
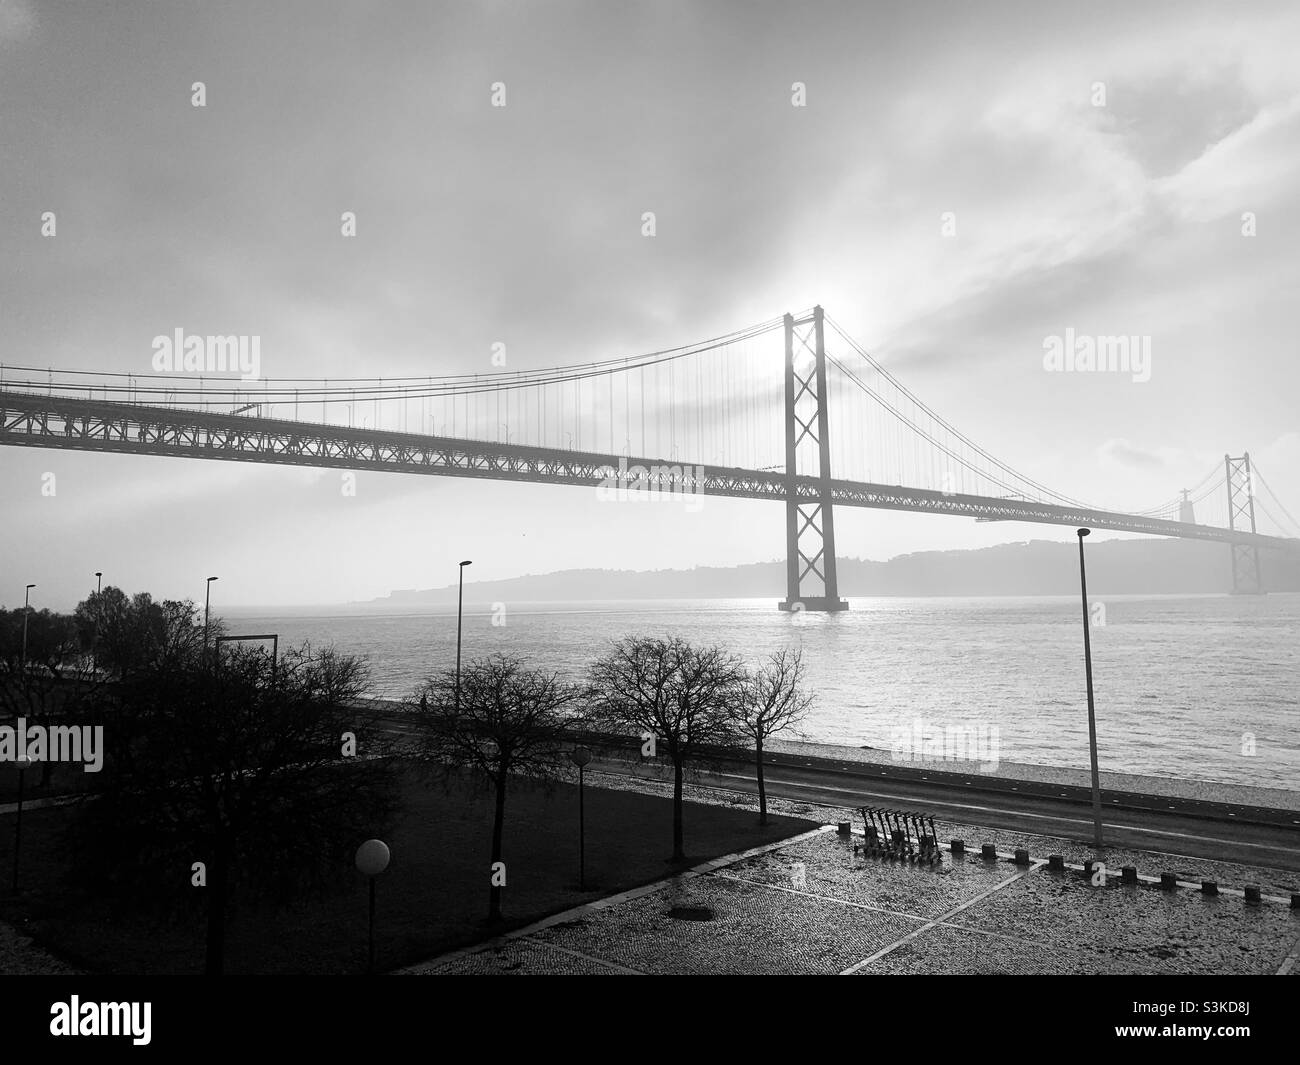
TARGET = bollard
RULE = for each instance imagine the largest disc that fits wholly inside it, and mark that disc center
(844, 828)
(1252, 893)
(989, 852)
(958, 847)
(1168, 882)
(1089, 867)
(1022, 856)
(1129, 874)
(1056, 863)
(1295, 901)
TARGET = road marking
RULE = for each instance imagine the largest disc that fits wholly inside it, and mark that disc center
(585, 957)
(1018, 813)
(724, 875)
(940, 920)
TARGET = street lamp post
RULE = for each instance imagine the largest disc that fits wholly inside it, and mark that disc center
(372, 859)
(1092, 715)
(207, 602)
(26, 609)
(94, 640)
(22, 763)
(580, 757)
(460, 598)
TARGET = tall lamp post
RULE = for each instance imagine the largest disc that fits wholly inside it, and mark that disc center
(1092, 714)
(580, 757)
(372, 859)
(460, 598)
(207, 602)
(94, 640)
(22, 763)
(26, 600)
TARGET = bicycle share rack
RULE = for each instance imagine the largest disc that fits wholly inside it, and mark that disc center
(899, 836)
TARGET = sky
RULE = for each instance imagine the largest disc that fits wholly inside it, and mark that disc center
(954, 189)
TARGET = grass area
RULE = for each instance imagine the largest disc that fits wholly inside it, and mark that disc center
(65, 778)
(433, 897)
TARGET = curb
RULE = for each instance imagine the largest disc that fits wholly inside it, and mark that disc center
(587, 908)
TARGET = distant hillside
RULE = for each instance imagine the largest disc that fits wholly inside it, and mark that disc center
(1039, 567)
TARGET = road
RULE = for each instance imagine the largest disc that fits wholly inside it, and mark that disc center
(1250, 835)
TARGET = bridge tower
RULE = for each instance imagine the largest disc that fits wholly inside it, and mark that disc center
(811, 582)
(1186, 512)
(1246, 579)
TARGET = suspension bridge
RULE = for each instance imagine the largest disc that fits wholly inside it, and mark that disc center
(728, 416)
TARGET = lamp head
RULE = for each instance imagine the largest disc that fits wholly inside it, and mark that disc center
(1084, 532)
(372, 857)
(468, 562)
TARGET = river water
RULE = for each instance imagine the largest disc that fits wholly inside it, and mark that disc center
(1199, 687)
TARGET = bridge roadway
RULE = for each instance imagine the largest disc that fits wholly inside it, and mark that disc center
(32, 420)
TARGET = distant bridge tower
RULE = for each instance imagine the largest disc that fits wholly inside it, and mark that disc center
(809, 523)
(1185, 511)
(1246, 579)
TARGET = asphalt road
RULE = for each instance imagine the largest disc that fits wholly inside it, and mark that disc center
(1251, 835)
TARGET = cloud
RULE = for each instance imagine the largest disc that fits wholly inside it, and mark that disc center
(1126, 454)
(17, 21)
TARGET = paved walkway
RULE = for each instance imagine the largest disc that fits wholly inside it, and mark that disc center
(813, 906)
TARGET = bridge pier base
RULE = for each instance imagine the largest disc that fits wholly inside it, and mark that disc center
(815, 603)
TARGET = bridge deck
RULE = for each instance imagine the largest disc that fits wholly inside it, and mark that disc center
(33, 420)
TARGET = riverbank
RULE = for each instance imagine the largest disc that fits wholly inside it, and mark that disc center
(1278, 798)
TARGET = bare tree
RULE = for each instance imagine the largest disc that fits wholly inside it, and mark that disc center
(50, 684)
(673, 690)
(130, 634)
(243, 768)
(770, 700)
(511, 721)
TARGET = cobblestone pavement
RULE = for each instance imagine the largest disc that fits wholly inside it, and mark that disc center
(812, 905)
(19, 955)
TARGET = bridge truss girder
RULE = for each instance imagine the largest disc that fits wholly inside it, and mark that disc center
(55, 422)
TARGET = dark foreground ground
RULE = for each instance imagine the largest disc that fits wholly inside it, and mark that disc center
(432, 898)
